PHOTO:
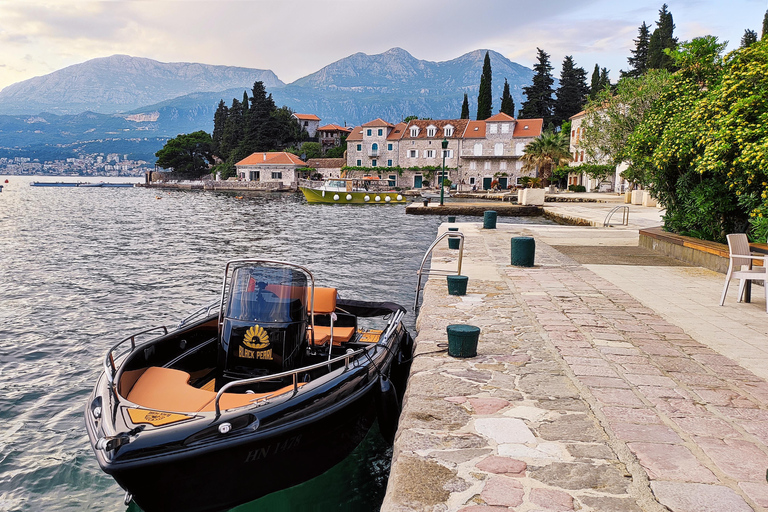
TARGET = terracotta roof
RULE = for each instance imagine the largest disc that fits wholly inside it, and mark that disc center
(528, 127)
(326, 163)
(379, 122)
(578, 115)
(501, 116)
(356, 134)
(423, 124)
(272, 159)
(397, 132)
(475, 130)
(334, 128)
(306, 117)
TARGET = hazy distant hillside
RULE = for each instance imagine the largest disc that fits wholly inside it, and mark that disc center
(120, 83)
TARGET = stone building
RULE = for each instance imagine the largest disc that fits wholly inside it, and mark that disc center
(331, 135)
(270, 170)
(580, 178)
(309, 122)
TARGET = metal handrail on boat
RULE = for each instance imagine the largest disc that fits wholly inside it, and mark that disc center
(291, 373)
(624, 217)
(207, 310)
(109, 360)
(422, 270)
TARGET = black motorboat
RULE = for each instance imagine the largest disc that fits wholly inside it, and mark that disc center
(267, 388)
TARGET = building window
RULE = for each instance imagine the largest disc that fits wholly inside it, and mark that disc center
(448, 131)
(368, 132)
(254, 175)
(413, 153)
(478, 149)
(472, 165)
(505, 128)
(448, 153)
(498, 149)
(389, 163)
(487, 166)
(359, 147)
(277, 175)
(306, 123)
(414, 131)
(472, 180)
(389, 147)
(381, 132)
(503, 166)
(429, 153)
(492, 128)
(431, 131)
(359, 163)
(373, 163)
(393, 180)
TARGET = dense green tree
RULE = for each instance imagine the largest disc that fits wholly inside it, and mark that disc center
(219, 120)
(572, 92)
(507, 103)
(408, 119)
(638, 62)
(546, 152)
(308, 150)
(188, 155)
(749, 37)
(662, 39)
(234, 129)
(594, 87)
(765, 26)
(337, 151)
(485, 94)
(465, 108)
(539, 101)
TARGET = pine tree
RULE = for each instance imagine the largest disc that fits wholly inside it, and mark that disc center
(245, 103)
(485, 94)
(507, 103)
(639, 59)
(662, 39)
(232, 134)
(605, 81)
(749, 38)
(572, 93)
(765, 26)
(465, 108)
(539, 101)
(594, 86)
(219, 120)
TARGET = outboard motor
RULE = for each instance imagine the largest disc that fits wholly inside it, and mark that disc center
(263, 323)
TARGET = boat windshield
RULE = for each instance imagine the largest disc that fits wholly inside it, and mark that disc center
(267, 295)
(336, 184)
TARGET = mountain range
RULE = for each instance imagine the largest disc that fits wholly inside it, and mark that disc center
(123, 98)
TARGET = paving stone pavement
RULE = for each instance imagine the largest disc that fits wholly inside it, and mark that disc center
(580, 398)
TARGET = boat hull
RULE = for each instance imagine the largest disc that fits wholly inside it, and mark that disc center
(332, 197)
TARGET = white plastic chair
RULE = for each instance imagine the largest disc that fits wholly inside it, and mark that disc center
(740, 266)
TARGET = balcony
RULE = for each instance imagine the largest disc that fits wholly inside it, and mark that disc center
(469, 153)
(373, 153)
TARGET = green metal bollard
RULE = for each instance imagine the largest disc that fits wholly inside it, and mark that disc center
(451, 218)
(453, 242)
(489, 219)
(523, 251)
(457, 285)
(462, 340)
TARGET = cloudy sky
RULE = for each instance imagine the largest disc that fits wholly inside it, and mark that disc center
(296, 37)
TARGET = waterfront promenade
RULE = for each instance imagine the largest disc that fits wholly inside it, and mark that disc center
(608, 378)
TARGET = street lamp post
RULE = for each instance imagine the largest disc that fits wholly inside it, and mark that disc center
(442, 173)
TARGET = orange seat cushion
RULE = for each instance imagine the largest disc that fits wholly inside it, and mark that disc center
(340, 334)
(166, 389)
(325, 300)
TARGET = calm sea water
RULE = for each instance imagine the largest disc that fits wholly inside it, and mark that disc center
(81, 268)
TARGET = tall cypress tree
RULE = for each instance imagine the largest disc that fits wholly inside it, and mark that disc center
(538, 96)
(572, 93)
(465, 108)
(594, 86)
(749, 38)
(485, 94)
(604, 80)
(507, 103)
(219, 120)
(639, 59)
(661, 39)
(765, 26)
(232, 134)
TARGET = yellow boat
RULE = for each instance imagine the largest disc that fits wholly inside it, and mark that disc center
(352, 191)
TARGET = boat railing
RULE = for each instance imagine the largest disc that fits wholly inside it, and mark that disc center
(203, 311)
(294, 374)
(110, 368)
(624, 215)
(426, 271)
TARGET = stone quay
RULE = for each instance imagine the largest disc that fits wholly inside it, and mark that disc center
(607, 378)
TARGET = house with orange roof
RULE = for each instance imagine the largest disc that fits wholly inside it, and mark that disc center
(374, 144)
(308, 122)
(270, 171)
(614, 183)
(331, 135)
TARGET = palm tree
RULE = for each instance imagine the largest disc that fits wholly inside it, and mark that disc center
(546, 152)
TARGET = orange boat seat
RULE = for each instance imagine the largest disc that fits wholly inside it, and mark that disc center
(166, 389)
(325, 304)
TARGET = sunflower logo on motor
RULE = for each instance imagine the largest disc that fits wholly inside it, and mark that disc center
(257, 339)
